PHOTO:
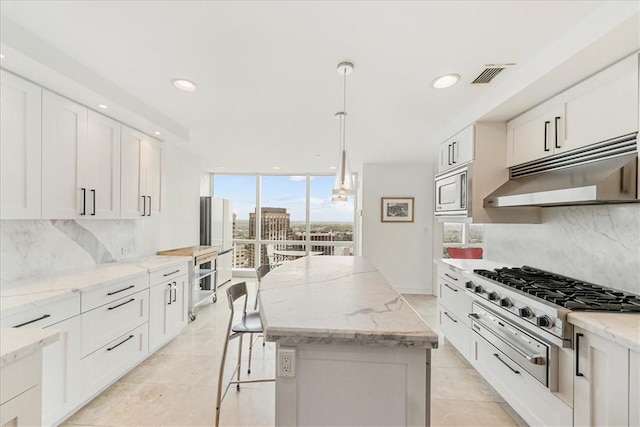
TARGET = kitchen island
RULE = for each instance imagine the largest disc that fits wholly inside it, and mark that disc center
(360, 354)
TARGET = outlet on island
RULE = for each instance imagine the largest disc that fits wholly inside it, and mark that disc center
(287, 362)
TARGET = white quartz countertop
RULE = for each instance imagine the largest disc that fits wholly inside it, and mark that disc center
(338, 300)
(153, 263)
(471, 264)
(621, 328)
(16, 343)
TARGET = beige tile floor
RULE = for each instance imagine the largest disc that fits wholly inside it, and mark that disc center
(176, 386)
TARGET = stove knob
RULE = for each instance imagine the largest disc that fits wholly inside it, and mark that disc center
(469, 285)
(525, 312)
(493, 296)
(478, 289)
(545, 322)
(506, 303)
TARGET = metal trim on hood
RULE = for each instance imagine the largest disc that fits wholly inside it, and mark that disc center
(606, 172)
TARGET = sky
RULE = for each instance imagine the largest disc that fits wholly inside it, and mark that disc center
(279, 191)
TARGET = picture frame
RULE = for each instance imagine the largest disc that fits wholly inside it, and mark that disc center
(397, 209)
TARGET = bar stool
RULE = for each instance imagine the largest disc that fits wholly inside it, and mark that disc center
(260, 273)
(250, 323)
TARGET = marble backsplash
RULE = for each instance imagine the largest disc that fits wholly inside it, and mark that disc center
(598, 244)
(34, 248)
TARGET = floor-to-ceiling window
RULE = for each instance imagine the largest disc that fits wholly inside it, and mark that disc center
(283, 217)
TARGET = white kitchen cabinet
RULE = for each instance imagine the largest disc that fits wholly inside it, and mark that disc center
(168, 310)
(601, 381)
(634, 388)
(21, 392)
(101, 165)
(142, 174)
(454, 305)
(20, 148)
(601, 107)
(457, 150)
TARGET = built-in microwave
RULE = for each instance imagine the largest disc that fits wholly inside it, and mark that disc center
(451, 193)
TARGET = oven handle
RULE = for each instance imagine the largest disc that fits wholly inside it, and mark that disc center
(533, 359)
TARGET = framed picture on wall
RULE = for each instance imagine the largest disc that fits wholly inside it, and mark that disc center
(397, 209)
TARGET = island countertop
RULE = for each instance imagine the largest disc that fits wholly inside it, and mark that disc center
(338, 300)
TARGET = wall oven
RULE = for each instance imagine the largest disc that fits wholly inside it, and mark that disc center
(452, 193)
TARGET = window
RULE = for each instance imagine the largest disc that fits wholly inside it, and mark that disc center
(459, 235)
(295, 215)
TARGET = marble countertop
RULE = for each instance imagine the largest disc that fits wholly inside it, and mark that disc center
(621, 328)
(338, 300)
(42, 290)
(471, 264)
(17, 343)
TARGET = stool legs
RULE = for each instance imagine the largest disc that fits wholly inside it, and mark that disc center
(239, 367)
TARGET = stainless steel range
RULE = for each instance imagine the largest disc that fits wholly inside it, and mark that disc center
(523, 311)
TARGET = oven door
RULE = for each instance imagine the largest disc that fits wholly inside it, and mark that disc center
(538, 358)
(451, 193)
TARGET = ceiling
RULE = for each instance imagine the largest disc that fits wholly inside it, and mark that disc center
(266, 71)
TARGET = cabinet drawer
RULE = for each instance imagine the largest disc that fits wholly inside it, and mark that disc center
(103, 324)
(456, 332)
(454, 299)
(22, 410)
(41, 317)
(168, 273)
(113, 292)
(109, 362)
(451, 275)
(20, 375)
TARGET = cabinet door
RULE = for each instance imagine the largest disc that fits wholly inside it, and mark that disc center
(61, 375)
(604, 106)
(20, 148)
(601, 382)
(178, 308)
(152, 165)
(634, 388)
(462, 146)
(160, 301)
(444, 156)
(131, 196)
(22, 410)
(102, 168)
(531, 136)
(64, 137)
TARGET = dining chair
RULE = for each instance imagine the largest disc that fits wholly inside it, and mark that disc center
(249, 323)
(271, 255)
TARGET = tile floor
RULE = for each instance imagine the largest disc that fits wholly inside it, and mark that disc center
(176, 386)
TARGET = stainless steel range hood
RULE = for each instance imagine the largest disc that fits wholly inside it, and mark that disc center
(602, 173)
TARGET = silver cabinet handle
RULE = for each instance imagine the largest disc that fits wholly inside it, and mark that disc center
(447, 314)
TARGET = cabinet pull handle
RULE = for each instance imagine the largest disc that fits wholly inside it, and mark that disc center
(121, 290)
(556, 128)
(449, 154)
(546, 127)
(170, 288)
(94, 202)
(144, 206)
(447, 314)
(515, 371)
(149, 205)
(451, 277)
(121, 304)
(578, 373)
(452, 288)
(173, 272)
(120, 343)
(175, 291)
(84, 201)
(453, 152)
(32, 321)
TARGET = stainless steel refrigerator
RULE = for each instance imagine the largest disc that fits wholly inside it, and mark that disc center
(216, 229)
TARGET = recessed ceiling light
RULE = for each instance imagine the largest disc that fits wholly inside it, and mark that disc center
(104, 107)
(156, 133)
(332, 167)
(184, 85)
(276, 167)
(1, 56)
(446, 81)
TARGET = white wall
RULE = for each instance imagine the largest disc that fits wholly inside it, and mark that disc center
(402, 252)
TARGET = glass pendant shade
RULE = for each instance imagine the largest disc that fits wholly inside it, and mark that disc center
(343, 182)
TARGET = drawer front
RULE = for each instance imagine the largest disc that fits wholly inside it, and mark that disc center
(106, 323)
(110, 293)
(168, 274)
(20, 375)
(41, 317)
(22, 410)
(455, 300)
(456, 332)
(111, 361)
(451, 275)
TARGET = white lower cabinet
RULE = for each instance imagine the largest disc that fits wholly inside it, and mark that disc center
(167, 311)
(117, 357)
(634, 388)
(21, 392)
(530, 399)
(456, 332)
(454, 305)
(602, 382)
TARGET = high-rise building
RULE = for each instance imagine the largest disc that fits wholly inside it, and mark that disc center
(275, 224)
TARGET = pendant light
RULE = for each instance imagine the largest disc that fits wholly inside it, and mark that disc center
(343, 183)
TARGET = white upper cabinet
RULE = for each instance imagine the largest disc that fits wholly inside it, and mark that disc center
(142, 174)
(602, 107)
(64, 138)
(20, 148)
(102, 167)
(457, 150)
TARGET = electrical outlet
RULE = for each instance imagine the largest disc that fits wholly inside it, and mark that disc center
(287, 362)
(125, 251)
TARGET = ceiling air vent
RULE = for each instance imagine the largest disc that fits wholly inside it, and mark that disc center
(487, 75)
